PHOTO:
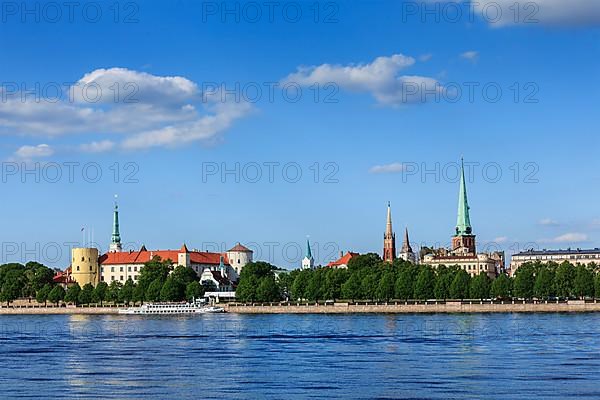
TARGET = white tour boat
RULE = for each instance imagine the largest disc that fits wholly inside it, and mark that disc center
(172, 308)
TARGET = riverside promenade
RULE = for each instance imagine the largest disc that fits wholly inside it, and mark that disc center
(400, 307)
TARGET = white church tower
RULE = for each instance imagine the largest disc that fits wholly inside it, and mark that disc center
(308, 262)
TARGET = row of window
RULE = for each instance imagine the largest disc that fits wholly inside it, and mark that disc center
(121, 278)
(121, 269)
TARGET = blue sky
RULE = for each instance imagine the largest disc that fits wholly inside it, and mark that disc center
(383, 61)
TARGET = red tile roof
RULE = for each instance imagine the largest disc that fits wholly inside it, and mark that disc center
(142, 256)
(241, 248)
(343, 260)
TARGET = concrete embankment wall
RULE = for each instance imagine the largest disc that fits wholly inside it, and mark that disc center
(404, 308)
(57, 310)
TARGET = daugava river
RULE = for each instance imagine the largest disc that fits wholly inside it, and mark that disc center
(229, 356)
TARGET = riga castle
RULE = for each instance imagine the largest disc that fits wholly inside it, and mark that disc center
(88, 266)
(463, 252)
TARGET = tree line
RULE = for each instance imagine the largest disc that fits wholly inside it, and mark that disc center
(158, 281)
(369, 278)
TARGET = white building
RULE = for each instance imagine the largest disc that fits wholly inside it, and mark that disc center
(577, 256)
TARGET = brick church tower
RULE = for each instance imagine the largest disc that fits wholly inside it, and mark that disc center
(389, 239)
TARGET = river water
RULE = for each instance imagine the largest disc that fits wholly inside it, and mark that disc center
(229, 356)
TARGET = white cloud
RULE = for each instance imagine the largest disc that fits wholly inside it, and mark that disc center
(31, 152)
(387, 168)
(425, 57)
(548, 222)
(97, 147)
(471, 56)
(125, 104)
(381, 78)
(573, 237)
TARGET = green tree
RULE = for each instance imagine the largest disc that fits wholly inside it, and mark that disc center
(246, 290)
(72, 295)
(405, 283)
(584, 282)
(334, 279)
(544, 283)
(100, 293)
(172, 290)
(524, 282)
(443, 280)
(313, 288)
(114, 291)
(86, 294)
(267, 290)
(385, 289)
(153, 270)
(368, 286)
(184, 275)
(127, 292)
(424, 284)
(299, 284)
(42, 294)
(363, 262)
(479, 287)
(597, 285)
(564, 280)
(501, 287)
(139, 294)
(351, 288)
(459, 288)
(13, 282)
(57, 294)
(194, 290)
(153, 291)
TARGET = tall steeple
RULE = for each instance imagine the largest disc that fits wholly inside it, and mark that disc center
(406, 253)
(463, 222)
(463, 243)
(389, 238)
(115, 242)
(406, 245)
(308, 262)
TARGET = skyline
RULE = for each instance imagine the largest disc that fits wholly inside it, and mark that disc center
(365, 147)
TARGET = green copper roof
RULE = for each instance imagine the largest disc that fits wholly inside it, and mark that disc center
(116, 237)
(463, 222)
(308, 252)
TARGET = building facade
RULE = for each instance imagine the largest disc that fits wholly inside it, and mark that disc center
(343, 261)
(87, 266)
(463, 251)
(577, 256)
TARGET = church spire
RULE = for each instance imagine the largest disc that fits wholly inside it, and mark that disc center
(308, 262)
(406, 245)
(115, 242)
(389, 238)
(308, 251)
(463, 223)
(388, 228)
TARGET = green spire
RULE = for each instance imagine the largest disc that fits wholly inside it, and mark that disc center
(116, 236)
(463, 223)
(308, 252)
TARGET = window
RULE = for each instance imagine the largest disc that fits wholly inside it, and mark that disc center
(129, 269)
(82, 258)
(112, 269)
(121, 269)
(101, 269)
(78, 268)
(102, 278)
(91, 269)
(112, 277)
(135, 269)
(121, 278)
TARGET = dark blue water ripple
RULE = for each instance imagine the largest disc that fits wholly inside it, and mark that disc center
(553, 356)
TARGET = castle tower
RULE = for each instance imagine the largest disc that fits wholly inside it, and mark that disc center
(463, 243)
(406, 253)
(389, 239)
(84, 266)
(115, 242)
(308, 262)
(238, 257)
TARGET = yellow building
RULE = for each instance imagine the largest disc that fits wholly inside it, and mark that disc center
(84, 266)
